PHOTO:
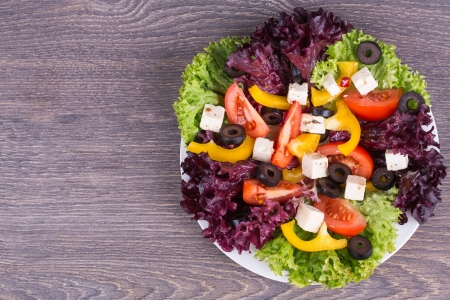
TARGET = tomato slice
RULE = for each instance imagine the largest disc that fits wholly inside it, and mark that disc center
(359, 160)
(341, 216)
(255, 193)
(290, 129)
(376, 105)
(240, 111)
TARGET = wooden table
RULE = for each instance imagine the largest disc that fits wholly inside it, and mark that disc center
(89, 149)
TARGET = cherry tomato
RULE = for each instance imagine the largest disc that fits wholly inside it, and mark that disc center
(240, 111)
(376, 105)
(255, 193)
(290, 129)
(341, 216)
(359, 160)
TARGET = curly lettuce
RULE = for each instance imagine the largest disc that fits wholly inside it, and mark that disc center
(204, 82)
(389, 71)
(335, 268)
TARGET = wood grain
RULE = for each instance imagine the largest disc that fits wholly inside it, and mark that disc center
(89, 155)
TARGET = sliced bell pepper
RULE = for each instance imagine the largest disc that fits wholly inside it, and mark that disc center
(345, 120)
(293, 175)
(303, 144)
(347, 68)
(323, 240)
(221, 154)
(269, 100)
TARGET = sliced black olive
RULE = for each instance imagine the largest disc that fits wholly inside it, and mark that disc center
(233, 72)
(369, 52)
(272, 116)
(296, 74)
(410, 102)
(238, 217)
(321, 112)
(324, 136)
(359, 247)
(338, 172)
(328, 187)
(383, 179)
(268, 174)
(232, 134)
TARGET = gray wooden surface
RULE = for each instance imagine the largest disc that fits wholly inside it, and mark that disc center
(89, 149)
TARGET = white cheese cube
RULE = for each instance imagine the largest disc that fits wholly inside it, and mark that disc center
(314, 165)
(395, 162)
(355, 187)
(330, 85)
(364, 81)
(212, 117)
(309, 218)
(312, 124)
(263, 149)
(298, 93)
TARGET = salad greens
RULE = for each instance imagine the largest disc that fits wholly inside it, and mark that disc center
(204, 82)
(335, 268)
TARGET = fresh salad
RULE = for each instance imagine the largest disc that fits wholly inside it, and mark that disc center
(309, 140)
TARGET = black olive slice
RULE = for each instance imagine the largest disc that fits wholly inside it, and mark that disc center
(338, 172)
(232, 134)
(410, 102)
(268, 174)
(383, 179)
(321, 112)
(359, 247)
(324, 136)
(272, 116)
(238, 217)
(368, 53)
(328, 187)
(233, 72)
(296, 74)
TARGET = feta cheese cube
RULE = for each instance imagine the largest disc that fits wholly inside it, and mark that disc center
(330, 85)
(364, 81)
(314, 165)
(312, 124)
(395, 162)
(263, 149)
(309, 218)
(212, 117)
(298, 93)
(355, 187)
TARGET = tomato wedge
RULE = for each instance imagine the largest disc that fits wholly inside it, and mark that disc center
(341, 216)
(255, 193)
(290, 129)
(359, 160)
(240, 111)
(375, 106)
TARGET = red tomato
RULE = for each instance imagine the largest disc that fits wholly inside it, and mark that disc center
(359, 160)
(240, 111)
(290, 129)
(376, 105)
(255, 193)
(341, 216)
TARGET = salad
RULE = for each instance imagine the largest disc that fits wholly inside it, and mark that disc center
(308, 140)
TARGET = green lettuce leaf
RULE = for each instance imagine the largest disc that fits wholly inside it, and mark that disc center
(204, 82)
(389, 71)
(335, 268)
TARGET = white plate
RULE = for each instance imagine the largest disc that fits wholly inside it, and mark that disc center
(261, 268)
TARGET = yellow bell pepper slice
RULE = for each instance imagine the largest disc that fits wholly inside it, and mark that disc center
(303, 144)
(269, 100)
(347, 69)
(370, 187)
(221, 154)
(293, 175)
(345, 120)
(323, 240)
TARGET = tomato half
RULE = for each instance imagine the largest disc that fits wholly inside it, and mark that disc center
(359, 160)
(290, 129)
(341, 216)
(240, 111)
(255, 193)
(376, 105)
